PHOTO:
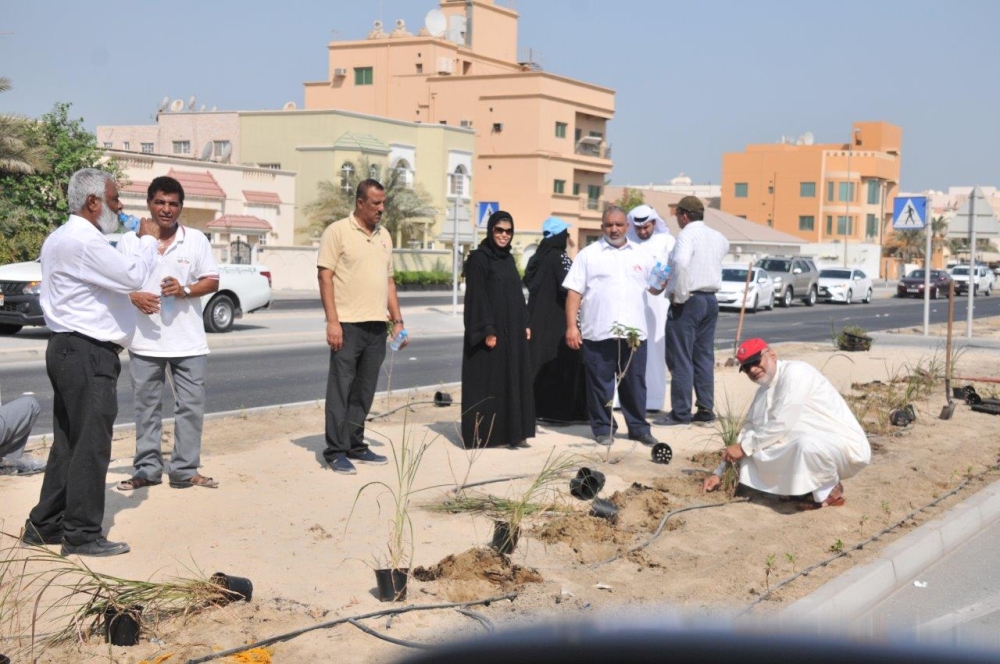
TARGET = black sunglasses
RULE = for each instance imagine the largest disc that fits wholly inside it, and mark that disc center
(747, 366)
(503, 231)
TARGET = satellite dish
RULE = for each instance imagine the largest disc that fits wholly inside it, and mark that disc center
(176, 105)
(191, 102)
(456, 30)
(203, 107)
(436, 22)
(206, 152)
(808, 138)
(163, 104)
(289, 106)
(227, 152)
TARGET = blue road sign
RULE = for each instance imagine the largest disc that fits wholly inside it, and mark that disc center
(909, 213)
(485, 210)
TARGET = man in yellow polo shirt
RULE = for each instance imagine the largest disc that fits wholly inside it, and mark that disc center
(358, 291)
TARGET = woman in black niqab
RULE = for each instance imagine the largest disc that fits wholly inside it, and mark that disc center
(497, 402)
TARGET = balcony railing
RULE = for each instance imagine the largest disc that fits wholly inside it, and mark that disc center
(590, 203)
(590, 147)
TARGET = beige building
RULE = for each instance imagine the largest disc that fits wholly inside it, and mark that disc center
(230, 203)
(540, 139)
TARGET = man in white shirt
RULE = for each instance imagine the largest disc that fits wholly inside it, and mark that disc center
(608, 278)
(650, 232)
(800, 436)
(170, 343)
(695, 276)
(84, 298)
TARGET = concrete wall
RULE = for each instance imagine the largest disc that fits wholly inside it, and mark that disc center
(294, 268)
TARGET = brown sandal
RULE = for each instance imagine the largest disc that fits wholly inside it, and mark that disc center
(136, 483)
(195, 480)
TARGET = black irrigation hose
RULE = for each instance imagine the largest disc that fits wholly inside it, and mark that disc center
(480, 618)
(485, 482)
(392, 640)
(405, 405)
(340, 621)
(861, 545)
(659, 529)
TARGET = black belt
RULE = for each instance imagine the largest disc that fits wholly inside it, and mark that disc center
(113, 347)
(703, 292)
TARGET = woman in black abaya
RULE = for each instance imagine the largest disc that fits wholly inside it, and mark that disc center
(497, 403)
(556, 369)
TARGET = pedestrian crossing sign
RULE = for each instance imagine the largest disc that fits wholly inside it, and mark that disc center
(909, 213)
(485, 211)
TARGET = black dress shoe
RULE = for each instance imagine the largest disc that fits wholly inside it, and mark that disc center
(703, 417)
(341, 464)
(368, 457)
(33, 537)
(647, 439)
(98, 548)
(669, 420)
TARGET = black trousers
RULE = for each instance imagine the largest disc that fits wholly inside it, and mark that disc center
(84, 377)
(691, 353)
(350, 386)
(602, 360)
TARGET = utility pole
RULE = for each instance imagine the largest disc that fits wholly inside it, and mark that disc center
(850, 193)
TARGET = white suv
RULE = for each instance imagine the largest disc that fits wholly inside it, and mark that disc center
(983, 279)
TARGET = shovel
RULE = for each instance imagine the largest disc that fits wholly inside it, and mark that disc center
(949, 409)
(731, 362)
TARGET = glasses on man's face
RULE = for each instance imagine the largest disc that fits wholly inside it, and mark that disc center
(503, 231)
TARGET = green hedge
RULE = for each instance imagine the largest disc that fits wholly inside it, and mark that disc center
(421, 277)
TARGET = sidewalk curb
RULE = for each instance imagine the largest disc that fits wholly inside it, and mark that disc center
(833, 607)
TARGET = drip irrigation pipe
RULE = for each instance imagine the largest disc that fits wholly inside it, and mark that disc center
(861, 545)
(480, 618)
(340, 621)
(390, 639)
(399, 408)
(659, 529)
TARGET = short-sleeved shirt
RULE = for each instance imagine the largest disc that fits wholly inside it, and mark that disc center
(178, 329)
(361, 266)
(611, 281)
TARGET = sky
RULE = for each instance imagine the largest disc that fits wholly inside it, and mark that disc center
(693, 80)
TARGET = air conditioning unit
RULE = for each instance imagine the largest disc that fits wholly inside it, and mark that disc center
(339, 72)
(466, 124)
(497, 127)
(445, 65)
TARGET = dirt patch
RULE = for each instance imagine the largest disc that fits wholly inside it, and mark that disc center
(640, 508)
(574, 528)
(476, 573)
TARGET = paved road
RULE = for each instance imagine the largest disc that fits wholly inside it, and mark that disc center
(960, 604)
(408, 299)
(288, 364)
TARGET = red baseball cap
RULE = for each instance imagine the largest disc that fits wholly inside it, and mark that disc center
(750, 351)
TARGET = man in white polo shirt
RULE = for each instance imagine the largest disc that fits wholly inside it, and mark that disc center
(608, 279)
(170, 343)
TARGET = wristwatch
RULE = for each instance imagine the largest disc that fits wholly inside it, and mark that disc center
(187, 291)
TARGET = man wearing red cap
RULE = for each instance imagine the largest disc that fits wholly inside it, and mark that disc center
(800, 436)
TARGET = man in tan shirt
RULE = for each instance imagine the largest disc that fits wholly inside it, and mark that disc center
(358, 291)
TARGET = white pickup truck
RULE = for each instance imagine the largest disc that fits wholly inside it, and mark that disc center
(983, 279)
(242, 288)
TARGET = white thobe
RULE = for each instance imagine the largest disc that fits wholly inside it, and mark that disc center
(800, 435)
(659, 246)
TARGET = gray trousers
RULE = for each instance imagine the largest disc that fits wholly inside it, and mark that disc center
(148, 377)
(16, 419)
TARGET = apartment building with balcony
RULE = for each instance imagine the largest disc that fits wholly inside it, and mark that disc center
(541, 144)
(823, 193)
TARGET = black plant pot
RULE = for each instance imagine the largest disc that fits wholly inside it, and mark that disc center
(237, 587)
(391, 584)
(587, 484)
(604, 509)
(122, 626)
(901, 417)
(4, 659)
(855, 342)
(442, 399)
(504, 540)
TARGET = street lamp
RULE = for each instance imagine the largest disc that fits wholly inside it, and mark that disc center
(850, 193)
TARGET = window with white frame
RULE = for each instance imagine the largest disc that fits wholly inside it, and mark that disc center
(456, 181)
(107, 145)
(218, 147)
(346, 173)
(373, 171)
(182, 147)
(147, 148)
(125, 145)
(404, 172)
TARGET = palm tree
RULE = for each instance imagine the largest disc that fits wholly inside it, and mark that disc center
(403, 203)
(18, 152)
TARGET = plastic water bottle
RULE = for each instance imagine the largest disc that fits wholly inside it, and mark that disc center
(129, 221)
(658, 275)
(397, 343)
(166, 308)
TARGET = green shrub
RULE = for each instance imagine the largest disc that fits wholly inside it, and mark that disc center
(422, 277)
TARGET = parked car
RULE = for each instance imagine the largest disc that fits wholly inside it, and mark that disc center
(845, 285)
(735, 291)
(794, 277)
(241, 288)
(912, 285)
(982, 278)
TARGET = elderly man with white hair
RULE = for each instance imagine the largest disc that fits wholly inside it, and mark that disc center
(84, 298)
(647, 229)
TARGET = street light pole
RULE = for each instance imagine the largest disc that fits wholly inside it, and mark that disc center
(455, 255)
(850, 194)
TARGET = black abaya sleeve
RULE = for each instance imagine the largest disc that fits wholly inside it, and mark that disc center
(479, 312)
